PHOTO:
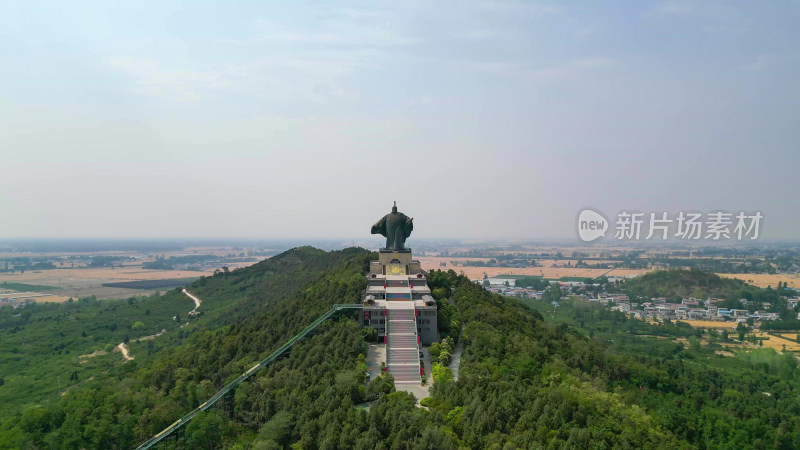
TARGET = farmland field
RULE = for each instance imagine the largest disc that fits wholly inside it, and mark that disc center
(764, 279)
(25, 287)
(39, 297)
(771, 341)
(545, 272)
(710, 324)
(85, 282)
(547, 268)
(152, 284)
(777, 343)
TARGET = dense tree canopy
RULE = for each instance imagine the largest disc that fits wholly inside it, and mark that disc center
(523, 382)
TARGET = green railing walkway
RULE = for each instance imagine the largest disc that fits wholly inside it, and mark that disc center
(265, 362)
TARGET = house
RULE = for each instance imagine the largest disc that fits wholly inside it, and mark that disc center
(502, 281)
(689, 301)
(697, 314)
(623, 307)
(764, 315)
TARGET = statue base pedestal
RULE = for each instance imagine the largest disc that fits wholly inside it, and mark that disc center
(395, 258)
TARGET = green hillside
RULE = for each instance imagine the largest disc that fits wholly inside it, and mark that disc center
(682, 283)
(523, 382)
(49, 348)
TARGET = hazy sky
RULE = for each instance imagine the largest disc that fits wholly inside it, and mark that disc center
(306, 119)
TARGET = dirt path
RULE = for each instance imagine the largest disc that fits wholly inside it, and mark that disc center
(121, 347)
(197, 301)
(124, 350)
(151, 337)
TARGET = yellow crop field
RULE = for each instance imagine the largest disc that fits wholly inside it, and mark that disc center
(435, 262)
(38, 297)
(710, 324)
(627, 272)
(546, 272)
(770, 341)
(52, 277)
(777, 343)
(764, 279)
(547, 268)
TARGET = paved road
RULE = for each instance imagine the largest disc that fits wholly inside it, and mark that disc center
(455, 362)
(376, 354)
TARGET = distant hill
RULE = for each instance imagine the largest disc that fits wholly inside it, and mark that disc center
(682, 283)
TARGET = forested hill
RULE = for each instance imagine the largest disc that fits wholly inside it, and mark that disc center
(230, 297)
(247, 314)
(682, 283)
(523, 383)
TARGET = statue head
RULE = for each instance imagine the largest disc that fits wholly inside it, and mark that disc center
(394, 208)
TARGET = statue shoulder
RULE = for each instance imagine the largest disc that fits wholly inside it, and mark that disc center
(379, 227)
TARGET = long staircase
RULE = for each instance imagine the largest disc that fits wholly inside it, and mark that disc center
(402, 354)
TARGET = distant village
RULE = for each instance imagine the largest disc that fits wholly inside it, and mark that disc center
(657, 308)
(17, 299)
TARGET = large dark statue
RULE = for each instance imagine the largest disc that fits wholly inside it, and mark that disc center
(396, 226)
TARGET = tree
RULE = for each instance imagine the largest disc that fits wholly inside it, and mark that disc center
(441, 374)
(444, 357)
(434, 350)
(383, 384)
(278, 429)
(370, 334)
(741, 329)
(204, 430)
